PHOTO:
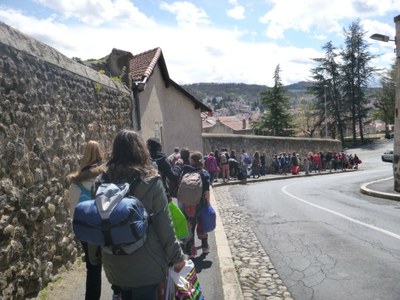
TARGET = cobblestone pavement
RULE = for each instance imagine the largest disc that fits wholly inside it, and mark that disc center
(257, 275)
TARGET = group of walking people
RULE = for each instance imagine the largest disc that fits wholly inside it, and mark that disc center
(314, 162)
(224, 165)
(142, 274)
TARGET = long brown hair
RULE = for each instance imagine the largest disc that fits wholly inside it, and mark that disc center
(130, 150)
(92, 154)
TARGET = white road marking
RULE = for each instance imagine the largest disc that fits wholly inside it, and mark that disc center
(389, 233)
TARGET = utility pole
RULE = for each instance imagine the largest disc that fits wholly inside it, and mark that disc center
(326, 121)
(396, 149)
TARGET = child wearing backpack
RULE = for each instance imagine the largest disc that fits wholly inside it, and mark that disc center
(193, 194)
(80, 190)
(139, 273)
(211, 166)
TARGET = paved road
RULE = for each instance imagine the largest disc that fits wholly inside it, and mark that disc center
(324, 238)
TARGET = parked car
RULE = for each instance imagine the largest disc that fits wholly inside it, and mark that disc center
(388, 155)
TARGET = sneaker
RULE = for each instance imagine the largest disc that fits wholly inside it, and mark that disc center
(116, 297)
(206, 250)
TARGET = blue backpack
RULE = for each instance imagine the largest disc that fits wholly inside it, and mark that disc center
(112, 220)
(85, 193)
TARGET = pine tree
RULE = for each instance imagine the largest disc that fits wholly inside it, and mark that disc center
(355, 75)
(326, 83)
(277, 120)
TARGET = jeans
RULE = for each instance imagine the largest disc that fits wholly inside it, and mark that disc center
(244, 171)
(255, 171)
(93, 277)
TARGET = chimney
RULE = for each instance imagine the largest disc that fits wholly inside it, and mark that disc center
(244, 124)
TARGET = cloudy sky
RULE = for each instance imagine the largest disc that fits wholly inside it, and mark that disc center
(218, 41)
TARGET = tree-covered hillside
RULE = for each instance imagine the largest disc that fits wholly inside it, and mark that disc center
(247, 92)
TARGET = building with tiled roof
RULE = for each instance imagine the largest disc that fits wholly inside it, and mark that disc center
(227, 124)
(162, 108)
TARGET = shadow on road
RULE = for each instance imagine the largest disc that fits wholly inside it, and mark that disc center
(200, 263)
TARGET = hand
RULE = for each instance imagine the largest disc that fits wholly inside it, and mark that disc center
(179, 265)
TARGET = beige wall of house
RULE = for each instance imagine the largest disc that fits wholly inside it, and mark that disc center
(150, 108)
(169, 115)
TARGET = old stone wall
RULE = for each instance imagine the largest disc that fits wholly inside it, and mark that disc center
(49, 107)
(269, 145)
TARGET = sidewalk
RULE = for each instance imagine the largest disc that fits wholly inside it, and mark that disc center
(382, 188)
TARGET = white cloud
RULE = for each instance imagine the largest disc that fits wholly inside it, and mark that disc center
(187, 14)
(321, 37)
(384, 51)
(207, 54)
(97, 12)
(56, 34)
(196, 50)
(373, 26)
(365, 8)
(324, 16)
(237, 12)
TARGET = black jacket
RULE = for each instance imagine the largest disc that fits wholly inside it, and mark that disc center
(169, 175)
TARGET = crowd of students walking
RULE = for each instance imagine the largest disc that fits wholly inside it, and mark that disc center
(224, 165)
(141, 274)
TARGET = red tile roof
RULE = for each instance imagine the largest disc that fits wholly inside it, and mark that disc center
(234, 123)
(142, 65)
(207, 122)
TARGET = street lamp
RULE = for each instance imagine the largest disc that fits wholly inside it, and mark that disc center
(396, 148)
(381, 38)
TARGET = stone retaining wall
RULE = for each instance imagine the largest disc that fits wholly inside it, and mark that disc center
(50, 106)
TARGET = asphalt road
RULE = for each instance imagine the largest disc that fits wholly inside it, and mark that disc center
(326, 239)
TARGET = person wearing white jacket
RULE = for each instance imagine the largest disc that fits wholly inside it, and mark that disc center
(91, 165)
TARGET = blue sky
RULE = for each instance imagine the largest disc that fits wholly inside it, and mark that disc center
(207, 40)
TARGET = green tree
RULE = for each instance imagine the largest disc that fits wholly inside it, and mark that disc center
(355, 75)
(276, 120)
(326, 86)
(386, 98)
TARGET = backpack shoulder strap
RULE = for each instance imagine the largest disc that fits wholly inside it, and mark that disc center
(82, 188)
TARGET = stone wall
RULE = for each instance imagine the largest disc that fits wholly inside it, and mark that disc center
(49, 107)
(270, 145)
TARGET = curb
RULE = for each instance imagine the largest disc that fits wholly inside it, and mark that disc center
(367, 191)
